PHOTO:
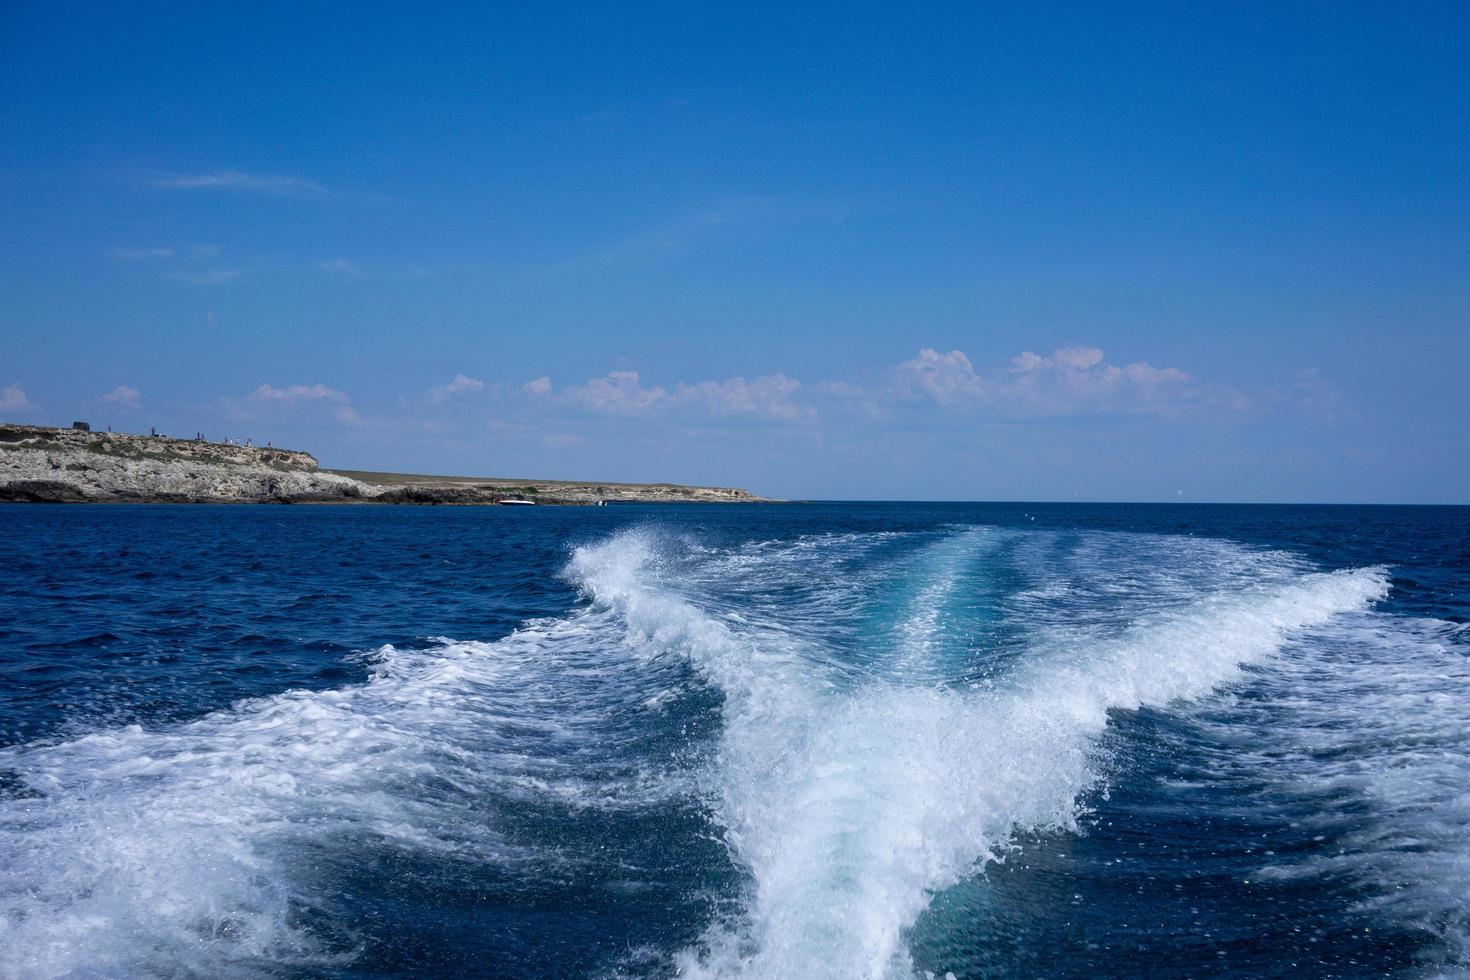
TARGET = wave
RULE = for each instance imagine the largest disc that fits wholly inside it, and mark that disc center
(1362, 739)
(871, 749)
(209, 848)
(850, 805)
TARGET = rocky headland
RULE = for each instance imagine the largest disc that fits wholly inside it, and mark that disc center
(50, 465)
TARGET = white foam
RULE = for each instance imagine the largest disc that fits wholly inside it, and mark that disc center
(941, 567)
(850, 806)
(849, 797)
(1367, 731)
(195, 849)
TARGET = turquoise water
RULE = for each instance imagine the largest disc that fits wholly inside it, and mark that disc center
(822, 740)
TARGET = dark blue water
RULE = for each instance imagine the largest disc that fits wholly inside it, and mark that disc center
(768, 740)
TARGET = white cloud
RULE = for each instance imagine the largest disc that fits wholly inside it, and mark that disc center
(944, 377)
(769, 396)
(616, 393)
(1077, 380)
(1077, 358)
(623, 393)
(137, 254)
(123, 396)
(237, 181)
(461, 383)
(1069, 381)
(1025, 362)
(337, 401)
(13, 399)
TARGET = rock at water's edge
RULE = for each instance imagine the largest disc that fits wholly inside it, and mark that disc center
(41, 492)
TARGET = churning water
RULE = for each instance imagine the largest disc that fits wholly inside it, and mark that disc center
(762, 741)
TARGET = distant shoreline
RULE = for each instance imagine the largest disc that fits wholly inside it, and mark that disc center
(45, 464)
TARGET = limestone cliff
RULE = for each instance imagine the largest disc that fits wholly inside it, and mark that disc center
(44, 464)
(38, 462)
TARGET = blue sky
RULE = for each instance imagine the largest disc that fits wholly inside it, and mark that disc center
(1100, 252)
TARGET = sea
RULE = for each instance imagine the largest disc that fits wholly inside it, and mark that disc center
(804, 740)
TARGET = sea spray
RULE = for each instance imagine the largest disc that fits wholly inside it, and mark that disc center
(850, 807)
(862, 719)
(212, 847)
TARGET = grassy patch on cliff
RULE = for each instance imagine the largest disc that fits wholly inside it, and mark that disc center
(130, 450)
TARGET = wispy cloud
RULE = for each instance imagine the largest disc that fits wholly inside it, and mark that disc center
(616, 393)
(236, 180)
(770, 396)
(13, 400)
(460, 385)
(1077, 380)
(123, 396)
(336, 402)
(623, 393)
(1069, 381)
(139, 254)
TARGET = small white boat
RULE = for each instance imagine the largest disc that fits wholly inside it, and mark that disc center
(512, 502)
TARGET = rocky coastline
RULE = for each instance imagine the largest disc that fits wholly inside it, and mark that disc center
(42, 464)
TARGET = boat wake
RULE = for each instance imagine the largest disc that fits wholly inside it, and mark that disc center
(215, 848)
(850, 803)
(884, 715)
